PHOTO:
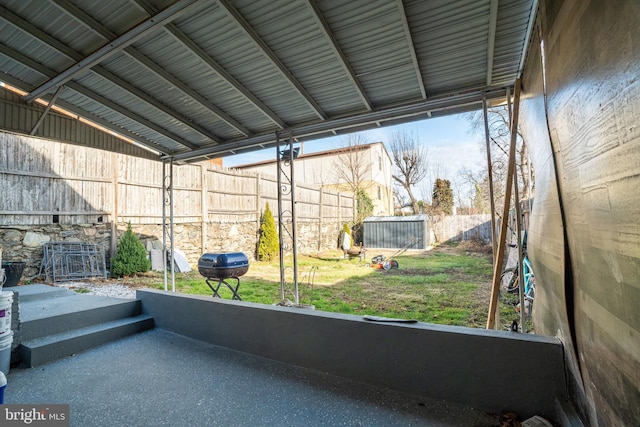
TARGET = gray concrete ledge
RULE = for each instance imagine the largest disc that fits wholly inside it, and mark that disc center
(493, 370)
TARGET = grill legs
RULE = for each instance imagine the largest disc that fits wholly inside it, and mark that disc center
(215, 284)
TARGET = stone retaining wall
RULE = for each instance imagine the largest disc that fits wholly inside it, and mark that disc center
(25, 243)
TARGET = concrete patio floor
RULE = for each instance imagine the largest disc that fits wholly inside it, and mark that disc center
(161, 378)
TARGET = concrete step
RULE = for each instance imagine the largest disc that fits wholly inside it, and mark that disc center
(29, 293)
(45, 317)
(41, 350)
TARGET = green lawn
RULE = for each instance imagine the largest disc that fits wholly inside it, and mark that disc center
(448, 285)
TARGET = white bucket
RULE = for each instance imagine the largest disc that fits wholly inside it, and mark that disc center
(5, 352)
(6, 300)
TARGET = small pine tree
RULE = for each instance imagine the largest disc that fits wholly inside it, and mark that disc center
(268, 245)
(131, 256)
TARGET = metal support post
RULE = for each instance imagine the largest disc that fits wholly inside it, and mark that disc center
(167, 226)
(294, 223)
(490, 174)
(286, 157)
(280, 220)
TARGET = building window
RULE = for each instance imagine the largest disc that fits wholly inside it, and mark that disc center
(379, 163)
(379, 193)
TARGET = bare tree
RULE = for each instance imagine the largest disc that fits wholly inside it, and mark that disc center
(352, 166)
(498, 119)
(411, 163)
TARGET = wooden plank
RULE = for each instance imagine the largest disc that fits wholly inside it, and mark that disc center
(497, 267)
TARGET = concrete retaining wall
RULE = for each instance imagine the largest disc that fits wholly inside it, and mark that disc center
(492, 370)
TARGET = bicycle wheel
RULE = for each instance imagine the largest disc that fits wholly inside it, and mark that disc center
(509, 280)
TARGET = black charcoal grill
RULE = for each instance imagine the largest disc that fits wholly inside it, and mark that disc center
(218, 268)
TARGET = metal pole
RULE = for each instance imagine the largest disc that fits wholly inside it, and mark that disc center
(294, 222)
(164, 222)
(173, 267)
(520, 250)
(46, 110)
(490, 173)
(280, 225)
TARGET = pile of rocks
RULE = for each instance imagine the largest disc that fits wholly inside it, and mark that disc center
(115, 290)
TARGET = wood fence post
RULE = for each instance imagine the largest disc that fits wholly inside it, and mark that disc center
(339, 212)
(204, 207)
(114, 215)
(320, 219)
(258, 204)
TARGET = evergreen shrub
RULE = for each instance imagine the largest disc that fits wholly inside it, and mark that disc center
(268, 246)
(131, 256)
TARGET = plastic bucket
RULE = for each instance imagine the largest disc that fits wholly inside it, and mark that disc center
(5, 352)
(6, 300)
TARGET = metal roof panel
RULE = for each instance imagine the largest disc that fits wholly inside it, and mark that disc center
(237, 71)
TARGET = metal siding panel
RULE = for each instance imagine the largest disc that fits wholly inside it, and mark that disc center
(372, 37)
(451, 42)
(450, 38)
(511, 28)
(189, 69)
(228, 44)
(301, 45)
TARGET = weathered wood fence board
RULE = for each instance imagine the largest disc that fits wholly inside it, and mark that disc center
(45, 182)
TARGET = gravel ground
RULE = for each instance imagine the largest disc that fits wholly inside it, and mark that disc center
(102, 289)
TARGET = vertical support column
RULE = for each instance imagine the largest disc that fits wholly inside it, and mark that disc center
(497, 267)
(490, 174)
(280, 219)
(205, 208)
(284, 188)
(171, 219)
(114, 214)
(164, 222)
(518, 213)
(321, 208)
(294, 223)
(167, 223)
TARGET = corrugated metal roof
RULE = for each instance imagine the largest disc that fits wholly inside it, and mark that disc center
(205, 78)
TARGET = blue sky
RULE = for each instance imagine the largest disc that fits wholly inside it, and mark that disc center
(448, 139)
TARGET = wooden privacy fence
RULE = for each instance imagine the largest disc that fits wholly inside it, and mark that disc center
(45, 182)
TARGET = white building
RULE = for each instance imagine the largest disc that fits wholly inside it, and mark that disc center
(369, 164)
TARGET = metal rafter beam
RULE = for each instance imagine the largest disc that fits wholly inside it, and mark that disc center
(130, 114)
(491, 40)
(52, 101)
(114, 128)
(337, 50)
(461, 100)
(95, 119)
(251, 33)
(224, 74)
(412, 49)
(28, 62)
(173, 29)
(72, 54)
(100, 29)
(121, 42)
(527, 39)
(169, 78)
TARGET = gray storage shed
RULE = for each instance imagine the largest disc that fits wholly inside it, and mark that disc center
(397, 232)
